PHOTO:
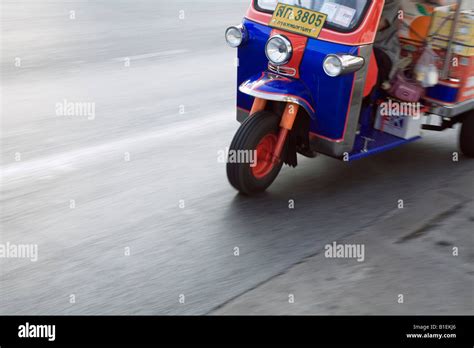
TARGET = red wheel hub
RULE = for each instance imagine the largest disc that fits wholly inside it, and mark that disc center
(265, 150)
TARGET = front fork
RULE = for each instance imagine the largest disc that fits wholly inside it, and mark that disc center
(286, 125)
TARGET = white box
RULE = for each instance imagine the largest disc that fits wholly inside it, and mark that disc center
(402, 126)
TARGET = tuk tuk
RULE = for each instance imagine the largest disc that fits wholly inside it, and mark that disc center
(308, 83)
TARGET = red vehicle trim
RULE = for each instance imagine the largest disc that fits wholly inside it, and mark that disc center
(449, 84)
(372, 75)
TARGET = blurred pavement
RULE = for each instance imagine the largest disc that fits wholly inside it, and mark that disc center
(425, 254)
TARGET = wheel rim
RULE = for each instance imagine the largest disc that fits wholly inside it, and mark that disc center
(265, 150)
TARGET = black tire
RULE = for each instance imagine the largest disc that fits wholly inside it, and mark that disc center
(467, 135)
(249, 135)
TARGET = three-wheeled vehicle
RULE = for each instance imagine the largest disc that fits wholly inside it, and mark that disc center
(308, 84)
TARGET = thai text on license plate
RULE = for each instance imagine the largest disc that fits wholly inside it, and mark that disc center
(298, 20)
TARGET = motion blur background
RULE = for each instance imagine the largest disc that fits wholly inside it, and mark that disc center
(143, 175)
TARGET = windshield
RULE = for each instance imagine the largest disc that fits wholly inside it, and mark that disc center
(343, 15)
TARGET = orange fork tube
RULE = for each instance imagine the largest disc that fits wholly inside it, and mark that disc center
(286, 124)
(258, 105)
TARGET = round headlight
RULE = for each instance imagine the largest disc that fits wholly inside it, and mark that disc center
(278, 50)
(234, 36)
(332, 66)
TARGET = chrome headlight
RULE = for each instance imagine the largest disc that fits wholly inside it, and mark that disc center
(235, 36)
(340, 64)
(278, 50)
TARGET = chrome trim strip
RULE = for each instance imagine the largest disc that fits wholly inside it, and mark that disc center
(453, 110)
(356, 101)
(282, 70)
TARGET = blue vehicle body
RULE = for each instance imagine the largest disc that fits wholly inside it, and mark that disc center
(327, 96)
(333, 105)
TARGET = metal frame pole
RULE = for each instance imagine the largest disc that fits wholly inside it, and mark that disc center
(449, 54)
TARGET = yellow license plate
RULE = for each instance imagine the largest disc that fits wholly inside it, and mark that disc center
(298, 20)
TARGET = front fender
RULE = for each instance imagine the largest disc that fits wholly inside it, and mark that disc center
(271, 86)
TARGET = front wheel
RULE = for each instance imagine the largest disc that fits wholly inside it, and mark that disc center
(256, 139)
(467, 135)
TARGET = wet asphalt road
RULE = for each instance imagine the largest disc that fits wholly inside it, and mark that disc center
(143, 172)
